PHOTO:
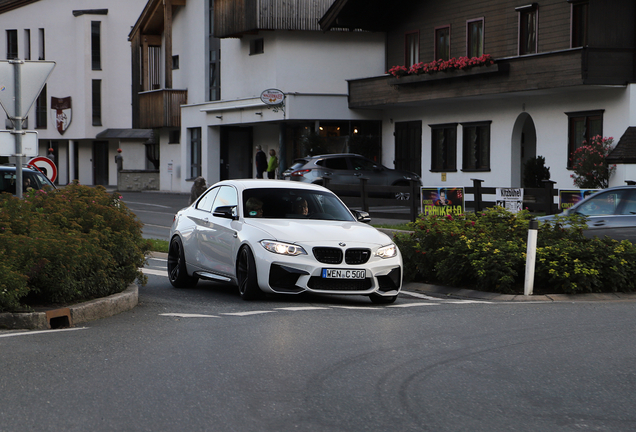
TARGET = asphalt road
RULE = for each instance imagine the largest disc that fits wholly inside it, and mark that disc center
(156, 210)
(202, 359)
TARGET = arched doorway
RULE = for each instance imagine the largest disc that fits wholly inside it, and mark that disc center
(524, 147)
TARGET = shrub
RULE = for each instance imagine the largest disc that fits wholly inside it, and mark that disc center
(487, 251)
(534, 172)
(71, 244)
(589, 162)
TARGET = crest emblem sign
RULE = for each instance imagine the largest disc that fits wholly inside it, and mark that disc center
(63, 113)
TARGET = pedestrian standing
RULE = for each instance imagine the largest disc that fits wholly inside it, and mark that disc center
(51, 155)
(272, 164)
(119, 160)
(261, 162)
(197, 189)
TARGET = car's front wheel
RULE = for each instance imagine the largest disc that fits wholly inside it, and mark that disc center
(246, 275)
(177, 272)
(379, 299)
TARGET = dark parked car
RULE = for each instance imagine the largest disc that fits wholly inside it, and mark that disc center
(346, 168)
(31, 179)
(610, 212)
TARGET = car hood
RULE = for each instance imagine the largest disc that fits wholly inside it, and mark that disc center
(310, 231)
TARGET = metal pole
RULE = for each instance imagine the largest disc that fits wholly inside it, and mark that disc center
(17, 123)
(531, 255)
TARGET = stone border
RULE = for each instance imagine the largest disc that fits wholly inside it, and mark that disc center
(80, 313)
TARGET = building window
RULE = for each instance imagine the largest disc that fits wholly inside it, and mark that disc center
(154, 67)
(442, 43)
(214, 54)
(257, 46)
(27, 44)
(174, 136)
(12, 44)
(475, 38)
(528, 24)
(476, 146)
(41, 110)
(195, 152)
(444, 147)
(96, 53)
(42, 46)
(175, 62)
(582, 126)
(97, 102)
(580, 17)
(411, 48)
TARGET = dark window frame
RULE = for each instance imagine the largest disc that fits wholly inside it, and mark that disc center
(435, 39)
(411, 57)
(96, 104)
(214, 59)
(579, 23)
(523, 46)
(448, 150)
(12, 44)
(587, 117)
(469, 52)
(257, 46)
(481, 154)
(96, 48)
(175, 62)
(195, 152)
(41, 110)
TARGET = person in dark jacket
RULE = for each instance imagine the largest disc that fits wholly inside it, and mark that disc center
(198, 188)
(261, 162)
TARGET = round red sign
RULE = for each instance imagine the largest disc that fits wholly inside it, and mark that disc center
(44, 165)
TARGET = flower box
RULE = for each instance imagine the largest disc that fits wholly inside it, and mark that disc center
(456, 73)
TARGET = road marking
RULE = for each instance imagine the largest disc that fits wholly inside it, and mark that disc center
(185, 315)
(157, 226)
(301, 308)
(247, 313)
(155, 272)
(418, 295)
(466, 301)
(29, 333)
(356, 307)
(413, 304)
(152, 205)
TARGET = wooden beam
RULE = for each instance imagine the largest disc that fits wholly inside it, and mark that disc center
(167, 31)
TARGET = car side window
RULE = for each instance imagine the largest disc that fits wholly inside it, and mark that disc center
(227, 196)
(206, 201)
(628, 206)
(337, 163)
(360, 164)
(602, 203)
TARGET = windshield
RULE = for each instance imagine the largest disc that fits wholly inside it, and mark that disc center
(276, 203)
(30, 180)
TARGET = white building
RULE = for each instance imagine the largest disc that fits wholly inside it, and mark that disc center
(222, 116)
(90, 85)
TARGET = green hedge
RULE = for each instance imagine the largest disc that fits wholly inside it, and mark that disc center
(67, 245)
(487, 251)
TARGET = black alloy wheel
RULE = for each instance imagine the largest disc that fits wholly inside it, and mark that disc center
(177, 272)
(246, 273)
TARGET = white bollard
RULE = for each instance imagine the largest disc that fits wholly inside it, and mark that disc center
(531, 256)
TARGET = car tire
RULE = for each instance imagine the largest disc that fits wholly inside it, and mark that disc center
(379, 299)
(177, 271)
(246, 275)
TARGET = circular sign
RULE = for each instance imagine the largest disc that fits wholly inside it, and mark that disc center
(272, 97)
(45, 165)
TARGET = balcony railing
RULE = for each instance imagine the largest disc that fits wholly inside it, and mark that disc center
(161, 108)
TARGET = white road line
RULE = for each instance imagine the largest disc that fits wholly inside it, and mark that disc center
(155, 272)
(29, 333)
(247, 313)
(418, 295)
(185, 315)
(357, 307)
(466, 301)
(152, 205)
(413, 305)
(158, 259)
(301, 308)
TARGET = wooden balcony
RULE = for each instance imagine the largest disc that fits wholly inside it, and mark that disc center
(161, 108)
(562, 69)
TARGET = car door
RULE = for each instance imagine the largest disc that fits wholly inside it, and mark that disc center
(217, 240)
(336, 170)
(200, 217)
(375, 173)
(610, 213)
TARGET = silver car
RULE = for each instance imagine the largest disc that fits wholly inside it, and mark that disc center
(610, 212)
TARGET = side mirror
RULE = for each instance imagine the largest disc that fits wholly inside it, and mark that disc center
(228, 212)
(362, 216)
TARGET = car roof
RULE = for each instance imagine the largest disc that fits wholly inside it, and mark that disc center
(12, 168)
(243, 184)
(335, 155)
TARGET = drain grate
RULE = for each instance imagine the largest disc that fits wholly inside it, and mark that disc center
(59, 318)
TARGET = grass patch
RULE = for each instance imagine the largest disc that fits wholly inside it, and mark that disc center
(157, 245)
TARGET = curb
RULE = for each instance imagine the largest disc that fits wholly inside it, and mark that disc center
(80, 313)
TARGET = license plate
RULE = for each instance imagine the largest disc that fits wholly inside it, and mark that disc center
(343, 274)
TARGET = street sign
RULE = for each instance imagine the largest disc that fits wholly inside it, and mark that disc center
(33, 75)
(272, 97)
(29, 143)
(45, 165)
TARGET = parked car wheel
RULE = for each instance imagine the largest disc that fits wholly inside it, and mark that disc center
(177, 272)
(378, 299)
(247, 276)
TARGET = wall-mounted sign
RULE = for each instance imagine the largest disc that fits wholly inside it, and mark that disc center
(442, 201)
(272, 97)
(62, 113)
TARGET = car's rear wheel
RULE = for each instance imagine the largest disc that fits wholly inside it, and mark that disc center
(379, 299)
(177, 272)
(247, 276)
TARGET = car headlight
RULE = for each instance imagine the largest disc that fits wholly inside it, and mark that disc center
(283, 248)
(388, 251)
